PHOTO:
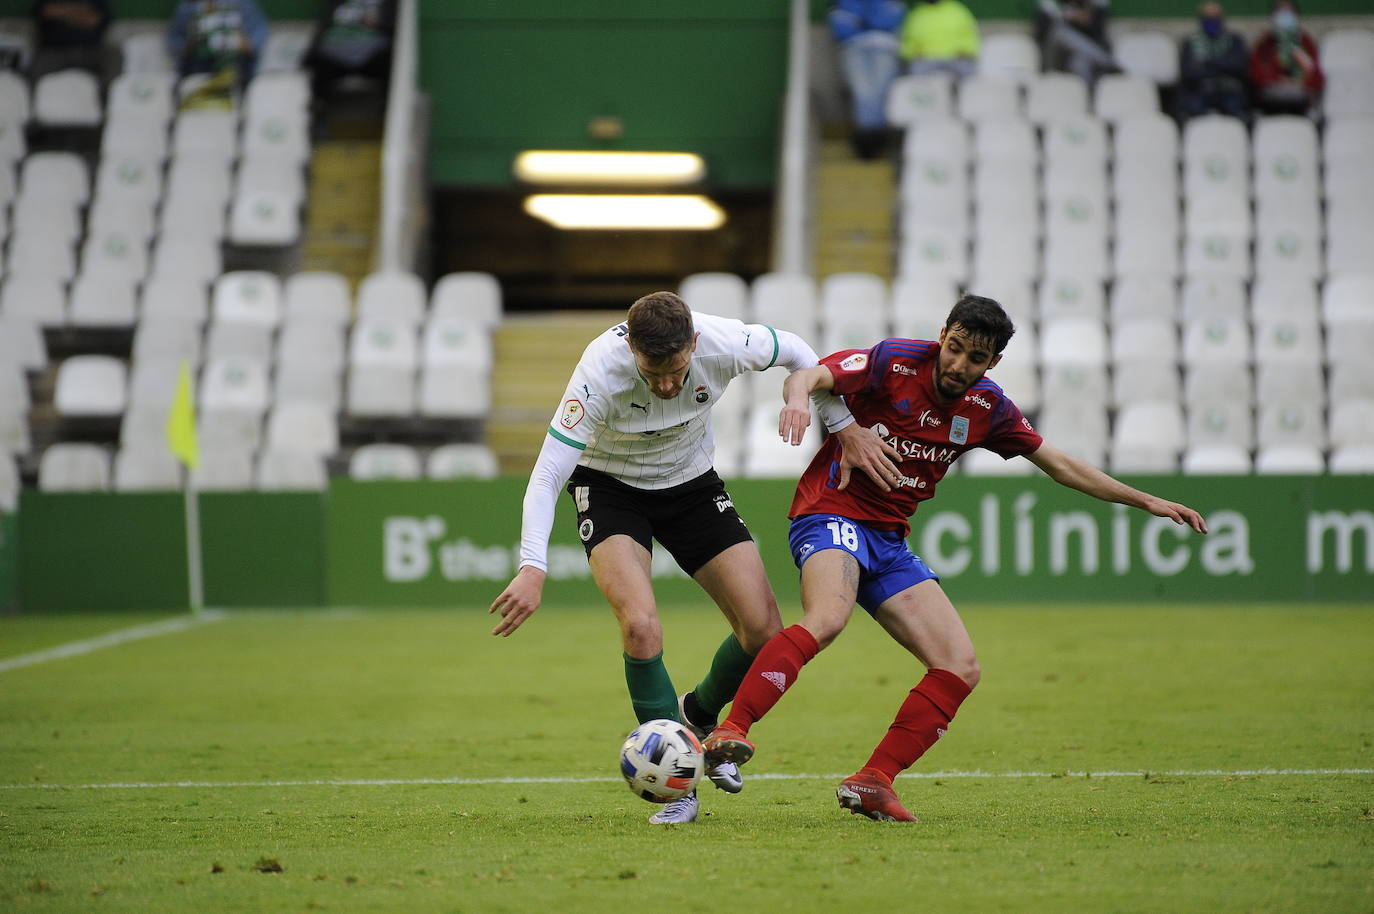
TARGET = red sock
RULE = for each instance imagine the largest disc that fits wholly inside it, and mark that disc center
(772, 673)
(920, 721)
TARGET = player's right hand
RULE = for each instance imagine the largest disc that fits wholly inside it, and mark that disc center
(519, 600)
(863, 448)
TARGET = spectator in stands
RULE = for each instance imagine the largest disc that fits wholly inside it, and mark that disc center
(353, 40)
(1073, 37)
(220, 37)
(70, 34)
(1213, 68)
(867, 34)
(1284, 69)
(940, 36)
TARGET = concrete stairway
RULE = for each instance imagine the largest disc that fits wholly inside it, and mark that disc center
(855, 208)
(535, 356)
(345, 198)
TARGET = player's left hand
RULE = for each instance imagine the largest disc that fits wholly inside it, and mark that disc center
(1179, 514)
(862, 448)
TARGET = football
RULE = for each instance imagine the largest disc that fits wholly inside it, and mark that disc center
(662, 760)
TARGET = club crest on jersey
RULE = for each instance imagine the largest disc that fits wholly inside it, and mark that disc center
(702, 394)
(958, 430)
(573, 411)
(855, 362)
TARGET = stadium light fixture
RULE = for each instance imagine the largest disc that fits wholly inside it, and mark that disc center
(626, 211)
(544, 166)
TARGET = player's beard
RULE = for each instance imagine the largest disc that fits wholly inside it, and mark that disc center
(943, 383)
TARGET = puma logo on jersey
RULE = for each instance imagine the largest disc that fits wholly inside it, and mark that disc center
(644, 407)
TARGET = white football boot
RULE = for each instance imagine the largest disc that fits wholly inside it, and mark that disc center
(677, 812)
(724, 775)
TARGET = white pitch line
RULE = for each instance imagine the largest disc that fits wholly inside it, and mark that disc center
(121, 636)
(762, 776)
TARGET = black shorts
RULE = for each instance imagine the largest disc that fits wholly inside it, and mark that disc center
(695, 521)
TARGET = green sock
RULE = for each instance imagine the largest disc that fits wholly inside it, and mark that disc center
(726, 673)
(651, 689)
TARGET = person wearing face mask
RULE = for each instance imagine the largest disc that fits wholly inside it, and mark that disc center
(1213, 68)
(1284, 70)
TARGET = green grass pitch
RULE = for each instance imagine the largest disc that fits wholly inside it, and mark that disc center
(392, 761)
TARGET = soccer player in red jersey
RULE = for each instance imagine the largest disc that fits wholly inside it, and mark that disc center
(930, 402)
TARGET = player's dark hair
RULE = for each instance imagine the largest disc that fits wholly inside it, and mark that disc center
(982, 318)
(660, 325)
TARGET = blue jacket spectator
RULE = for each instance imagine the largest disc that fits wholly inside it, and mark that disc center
(1213, 68)
(869, 52)
(212, 36)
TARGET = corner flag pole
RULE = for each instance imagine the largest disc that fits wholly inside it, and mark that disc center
(181, 440)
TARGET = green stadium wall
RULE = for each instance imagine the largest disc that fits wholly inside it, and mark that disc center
(427, 543)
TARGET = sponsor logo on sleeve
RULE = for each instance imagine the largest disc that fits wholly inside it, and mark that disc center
(855, 362)
(958, 430)
(573, 411)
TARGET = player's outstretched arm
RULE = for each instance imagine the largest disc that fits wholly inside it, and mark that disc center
(1083, 476)
(519, 600)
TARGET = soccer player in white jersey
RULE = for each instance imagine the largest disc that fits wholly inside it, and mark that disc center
(633, 434)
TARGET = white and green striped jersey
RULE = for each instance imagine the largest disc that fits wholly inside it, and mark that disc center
(610, 421)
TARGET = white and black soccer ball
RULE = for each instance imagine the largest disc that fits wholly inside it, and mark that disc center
(662, 760)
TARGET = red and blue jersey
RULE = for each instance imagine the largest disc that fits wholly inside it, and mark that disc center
(891, 390)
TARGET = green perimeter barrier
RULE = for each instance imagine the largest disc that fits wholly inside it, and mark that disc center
(9, 561)
(105, 551)
(1273, 538)
(456, 544)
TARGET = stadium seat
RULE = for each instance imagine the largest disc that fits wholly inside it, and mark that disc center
(277, 92)
(1144, 294)
(385, 461)
(307, 379)
(983, 97)
(167, 336)
(277, 134)
(920, 304)
(1052, 96)
(1079, 428)
(247, 297)
(1285, 153)
(721, 294)
(14, 98)
(238, 339)
(187, 260)
(321, 296)
(1144, 359)
(471, 296)
(1018, 372)
(1287, 378)
(461, 461)
(1075, 141)
(304, 426)
(223, 469)
(1351, 423)
(270, 172)
(380, 391)
(206, 134)
(1290, 460)
(1357, 460)
(1278, 296)
(453, 391)
(1291, 422)
(1217, 460)
(1121, 95)
(21, 342)
(787, 301)
(1347, 48)
(91, 385)
(229, 429)
(913, 98)
(1349, 236)
(766, 455)
(70, 466)
(934, 191)
(103, 298)
(13, 143)
(384, 341)
(1005, 140)
(1283, 338)
(1076, 233)
(1205, 297)
(153, 383)
(1145, 156)
(15, 435)
(854, 311)
(394, 296)
(1348, 93)
(290, 471)
(935, 250)
(1146, 236)
(1151, 55)
(1218, 421)
(141, 98)
(235, 383)
(1347, 140)
(175, 296)
(456, 342)
(1013, 290)
(146, 52)
(1217, 339)
(9, 483)
(264, 218)
(148, 467)
(1217, 252)
(1009, 55)
(1066, 295)
(936, 136)
(41, 298)
(980, 462)
(1216, 156)
(56, 176)
(67, 98)
(134, 137)
(1148, 437)
(1229, 379)
(1349, 341)
(304, 340)
(1288, 249)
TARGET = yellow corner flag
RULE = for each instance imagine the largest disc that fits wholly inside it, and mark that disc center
(181, 421)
